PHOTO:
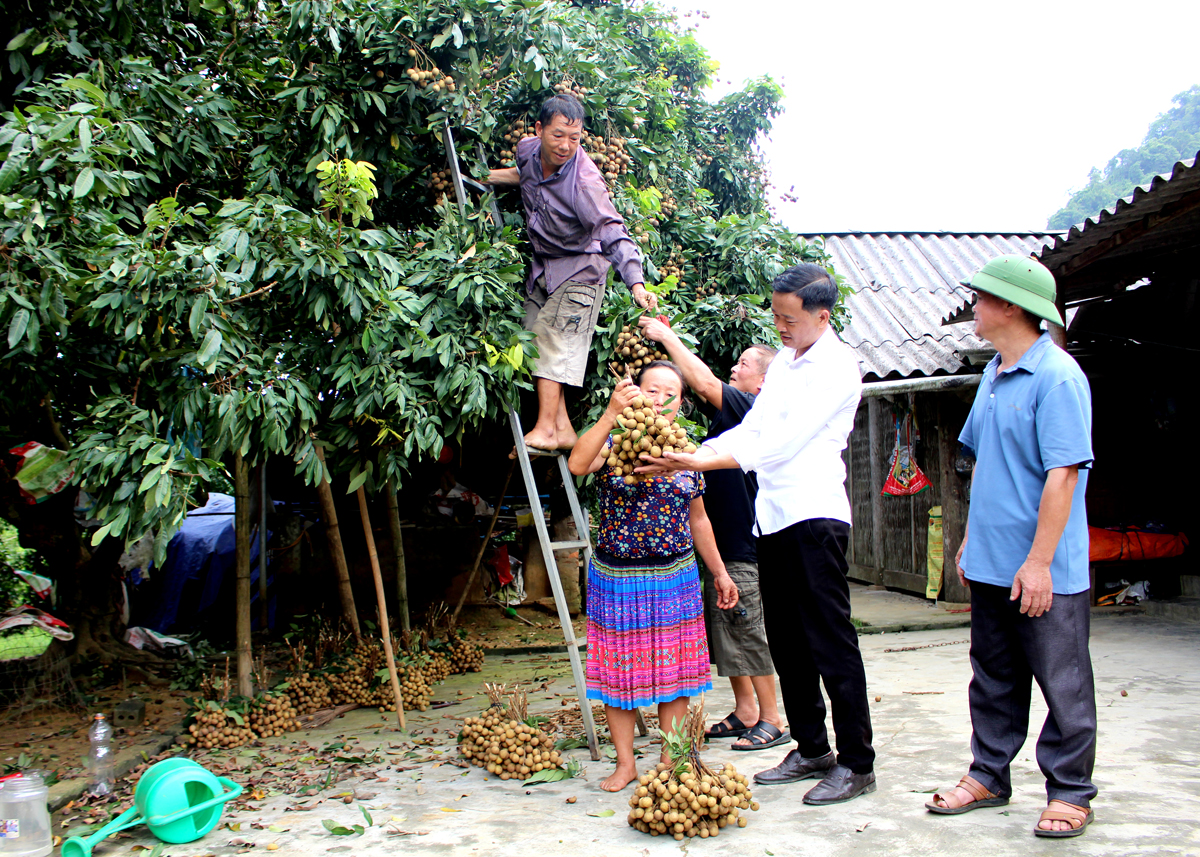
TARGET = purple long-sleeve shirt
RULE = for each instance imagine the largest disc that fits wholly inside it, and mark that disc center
(574, 229)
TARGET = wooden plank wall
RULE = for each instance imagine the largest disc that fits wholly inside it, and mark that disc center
(889, 536)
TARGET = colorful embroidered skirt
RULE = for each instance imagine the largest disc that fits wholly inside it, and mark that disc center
(645, 633)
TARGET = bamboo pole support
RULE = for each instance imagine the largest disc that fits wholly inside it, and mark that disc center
(483, 547)
(241, 489)
(398, 553)
(333, 534)
(383, 617)
(264, 613)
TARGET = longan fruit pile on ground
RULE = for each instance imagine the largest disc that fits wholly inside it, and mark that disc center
(632, 352)
(687, 803)
(644, 432)
(308, 693)
(273, 715)
(506, 747)
(210, 730)
(465, 656)
(436, 668)
(608, 154)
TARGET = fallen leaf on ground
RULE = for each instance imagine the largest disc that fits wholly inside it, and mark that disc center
(448, 809)
(864, 827)
(604, 813)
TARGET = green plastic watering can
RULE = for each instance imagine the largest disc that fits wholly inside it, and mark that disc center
(178, 799)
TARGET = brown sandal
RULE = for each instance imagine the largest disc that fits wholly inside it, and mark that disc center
(1077, 816)
(981, 798)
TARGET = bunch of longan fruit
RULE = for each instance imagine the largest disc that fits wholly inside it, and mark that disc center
(506, 747)
(211, 730)
(644, 431)
(687, 802)
(632, 352)
(272, 715)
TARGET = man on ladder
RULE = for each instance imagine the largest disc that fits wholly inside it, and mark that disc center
(576, 235)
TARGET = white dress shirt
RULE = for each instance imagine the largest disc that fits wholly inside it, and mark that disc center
(794, 435)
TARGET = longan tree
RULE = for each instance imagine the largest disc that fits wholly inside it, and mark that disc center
(176, 290)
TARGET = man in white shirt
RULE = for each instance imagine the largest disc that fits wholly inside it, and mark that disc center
(793, 438)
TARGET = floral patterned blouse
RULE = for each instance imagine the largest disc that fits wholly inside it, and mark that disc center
(647, 519)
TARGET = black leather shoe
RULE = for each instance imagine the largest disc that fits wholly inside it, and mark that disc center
(840, 784)
(794, 768)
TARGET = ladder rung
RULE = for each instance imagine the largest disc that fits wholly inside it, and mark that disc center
(535, 453)
(569, 545)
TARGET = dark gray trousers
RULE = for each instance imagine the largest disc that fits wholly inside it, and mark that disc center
(806, 605)
(1008, 651)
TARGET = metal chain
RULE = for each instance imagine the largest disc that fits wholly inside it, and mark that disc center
(928, 646)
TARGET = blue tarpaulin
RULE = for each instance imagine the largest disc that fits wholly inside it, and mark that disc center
(200, 561)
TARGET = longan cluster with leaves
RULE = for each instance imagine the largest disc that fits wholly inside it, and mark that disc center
(685, 798)
(641, 430)
(504, 740)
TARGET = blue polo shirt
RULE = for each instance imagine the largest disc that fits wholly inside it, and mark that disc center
(1027, 420)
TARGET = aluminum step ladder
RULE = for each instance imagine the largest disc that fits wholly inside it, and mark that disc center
(549, 546)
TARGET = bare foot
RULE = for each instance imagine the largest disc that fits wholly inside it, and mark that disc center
(621, 777)
(565, 439)
(538, 439)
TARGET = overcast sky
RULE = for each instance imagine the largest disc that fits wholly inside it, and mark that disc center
(958, 116)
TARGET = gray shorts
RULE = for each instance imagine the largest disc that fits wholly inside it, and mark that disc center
(564, 323)
(737, 638)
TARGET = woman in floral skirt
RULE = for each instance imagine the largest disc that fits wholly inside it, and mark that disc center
(646, 643)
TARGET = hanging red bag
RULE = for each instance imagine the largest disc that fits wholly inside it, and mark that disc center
(904, 478)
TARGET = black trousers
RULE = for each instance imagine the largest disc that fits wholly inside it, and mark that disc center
(806, 605)
(1008, 651)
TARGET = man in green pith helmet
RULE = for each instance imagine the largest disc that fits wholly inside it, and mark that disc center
(1025, 554)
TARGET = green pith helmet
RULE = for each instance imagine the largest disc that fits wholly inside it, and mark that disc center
(1019, 280)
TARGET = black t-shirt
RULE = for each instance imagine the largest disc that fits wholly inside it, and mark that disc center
(729, 498)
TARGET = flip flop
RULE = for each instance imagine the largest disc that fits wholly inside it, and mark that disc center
(982, 797)
(730, 727)
(1079, 819)
(761, 736)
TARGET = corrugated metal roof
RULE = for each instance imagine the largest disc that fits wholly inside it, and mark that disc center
(1156, 218)
(905, 283)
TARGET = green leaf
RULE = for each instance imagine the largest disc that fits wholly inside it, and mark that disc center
(604, 813)
(366, 815)
(547, 775)
(209, 348)
(85, 134)
(84, 182)
(16, 327)
(357, 482)
(18, 41)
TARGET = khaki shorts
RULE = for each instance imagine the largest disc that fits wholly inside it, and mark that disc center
(564, 323)
(737, 638)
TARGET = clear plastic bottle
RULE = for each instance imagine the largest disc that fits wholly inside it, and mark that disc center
(24, 817)
(100, 758)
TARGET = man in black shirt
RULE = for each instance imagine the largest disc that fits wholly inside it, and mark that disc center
(737, 638)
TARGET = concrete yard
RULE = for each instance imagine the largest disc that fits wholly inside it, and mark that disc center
(1148, 767)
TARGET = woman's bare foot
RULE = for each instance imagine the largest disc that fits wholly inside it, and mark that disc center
(621, 777)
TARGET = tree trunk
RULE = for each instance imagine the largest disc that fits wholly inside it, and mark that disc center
(241, 490)
(398, 553)
(325, 493)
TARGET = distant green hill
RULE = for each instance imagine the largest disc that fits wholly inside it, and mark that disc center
(1173, 136)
